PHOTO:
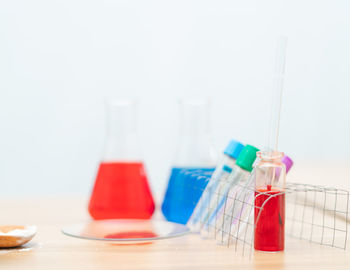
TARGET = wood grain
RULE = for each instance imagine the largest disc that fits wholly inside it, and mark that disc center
(50, 249)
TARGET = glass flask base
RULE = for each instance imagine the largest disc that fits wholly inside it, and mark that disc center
(126, 231)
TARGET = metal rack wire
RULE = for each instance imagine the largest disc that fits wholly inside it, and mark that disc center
(318, 214)
(313, 213)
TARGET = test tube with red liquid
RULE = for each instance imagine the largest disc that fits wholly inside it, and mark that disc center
(269, 212)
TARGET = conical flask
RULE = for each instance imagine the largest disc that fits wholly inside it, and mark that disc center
(194, 156)
(121, 189)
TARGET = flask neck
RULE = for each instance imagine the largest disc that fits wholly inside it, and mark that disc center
(195, 147)
(121, 120)
(121, 134)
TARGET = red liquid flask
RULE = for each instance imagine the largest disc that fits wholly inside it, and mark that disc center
(121, 189)
(269, 212)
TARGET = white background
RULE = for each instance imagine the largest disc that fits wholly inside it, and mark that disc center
(60, 59)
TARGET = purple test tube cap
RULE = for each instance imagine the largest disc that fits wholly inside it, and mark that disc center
(288, 162)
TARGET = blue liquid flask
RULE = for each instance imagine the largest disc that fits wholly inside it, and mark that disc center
(185, 188)
(194, 162)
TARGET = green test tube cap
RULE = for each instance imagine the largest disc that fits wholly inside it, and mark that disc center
(247, 157)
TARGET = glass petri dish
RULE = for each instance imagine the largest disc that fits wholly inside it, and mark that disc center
(126, 231)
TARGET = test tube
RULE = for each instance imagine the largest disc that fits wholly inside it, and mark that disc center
(269, 205)
(241, 170)
(222, 171)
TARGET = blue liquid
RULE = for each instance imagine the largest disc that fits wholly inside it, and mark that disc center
(185, 188)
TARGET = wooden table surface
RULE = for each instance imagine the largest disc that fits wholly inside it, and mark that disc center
(50, 249)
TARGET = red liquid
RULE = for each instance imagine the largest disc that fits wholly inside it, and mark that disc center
(132, 234)
(135, 234)
(269, 230)
(121, 191)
